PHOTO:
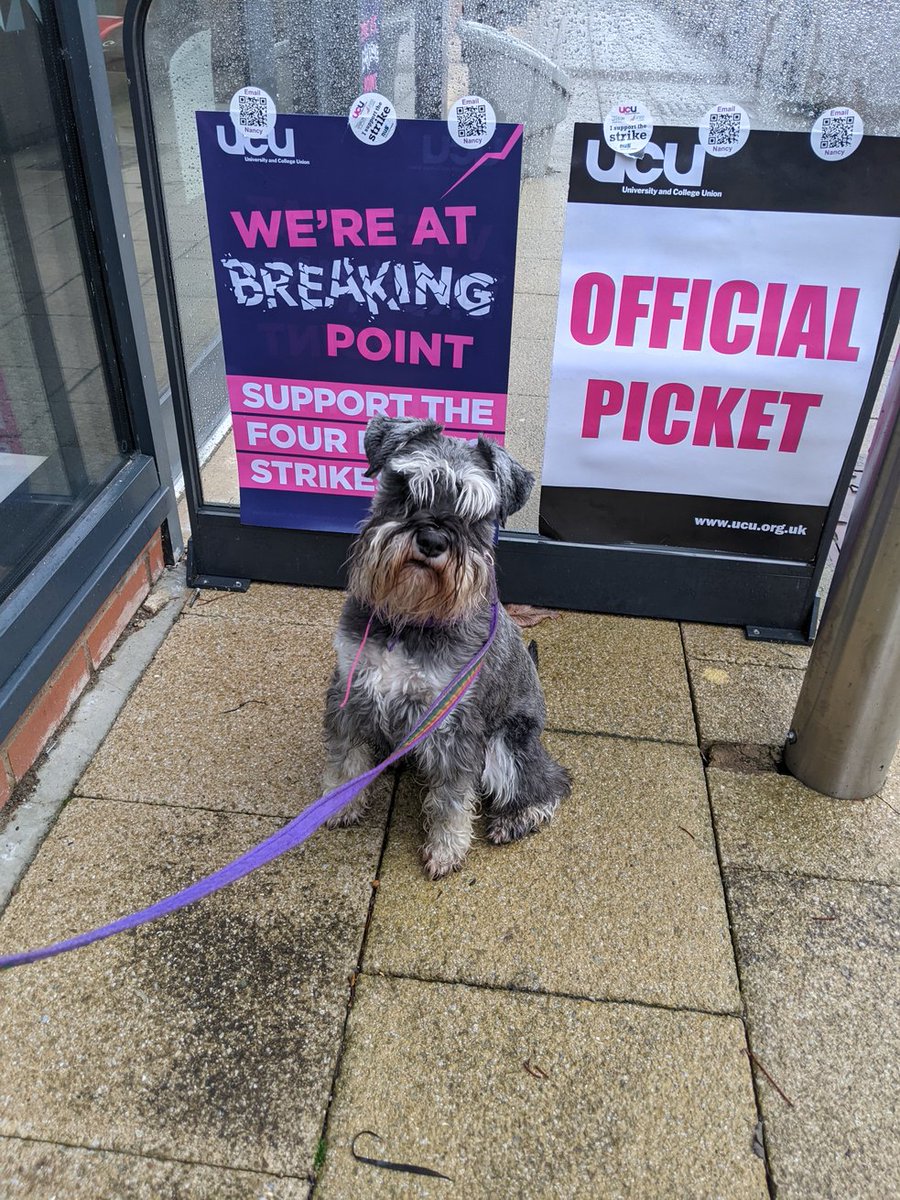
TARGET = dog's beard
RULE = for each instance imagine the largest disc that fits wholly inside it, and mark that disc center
(387, 575)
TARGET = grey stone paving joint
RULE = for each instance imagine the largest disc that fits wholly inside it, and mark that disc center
(91, 720)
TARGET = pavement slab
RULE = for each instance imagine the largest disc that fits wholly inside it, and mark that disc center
(820, 971)
(622, 675)
(48, 1171)
(725, 644)
(774, 823)
(743, 702)
(619, 897)
(615, 1100)
(272, 602)
(253, 687)
(210, 1036)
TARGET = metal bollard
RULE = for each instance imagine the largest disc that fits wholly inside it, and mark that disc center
(846, 725)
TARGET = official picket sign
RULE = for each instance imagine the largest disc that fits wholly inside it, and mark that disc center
(355, 279)
(717, 325)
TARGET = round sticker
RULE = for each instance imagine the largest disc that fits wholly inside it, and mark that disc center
(472, 122)
(253, 112)
(627, 129)
(724, 130)
(836, 133)
(373, 118)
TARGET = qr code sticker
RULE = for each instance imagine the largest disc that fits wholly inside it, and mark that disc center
(837, 132)
(253, 112)
(472, 121)
(724, 129)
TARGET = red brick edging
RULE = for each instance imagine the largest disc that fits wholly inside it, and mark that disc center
(50, 707)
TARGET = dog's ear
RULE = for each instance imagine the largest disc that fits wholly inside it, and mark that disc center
(513, 481)
(386, 436)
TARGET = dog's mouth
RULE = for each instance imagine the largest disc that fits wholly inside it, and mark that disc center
(421, 562)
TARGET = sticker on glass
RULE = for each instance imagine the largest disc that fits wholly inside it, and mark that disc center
(836, 133)
(472, 122)
(373, 118)
(627, 129)
(253, 112)
(724, 130)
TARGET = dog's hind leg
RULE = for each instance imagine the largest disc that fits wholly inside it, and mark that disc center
(522, 784)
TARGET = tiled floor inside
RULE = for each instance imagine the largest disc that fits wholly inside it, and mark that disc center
(683, 986)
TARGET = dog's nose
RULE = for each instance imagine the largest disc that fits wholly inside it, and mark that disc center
(431, 542)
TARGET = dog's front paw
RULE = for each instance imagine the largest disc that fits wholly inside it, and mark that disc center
(439, 862)
(346, 818)
(350, 814)
(510, 826)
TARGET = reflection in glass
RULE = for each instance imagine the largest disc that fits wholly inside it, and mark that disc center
(58, 444)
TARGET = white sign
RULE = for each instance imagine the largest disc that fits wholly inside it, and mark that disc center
(628, 128)
(705, 350)
(373, 118)
(836, 133)
(724, 130)
(472, 122)
(253, 112)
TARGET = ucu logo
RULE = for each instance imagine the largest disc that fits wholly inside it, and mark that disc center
(255, 146)
(648, 168)
(627, 108)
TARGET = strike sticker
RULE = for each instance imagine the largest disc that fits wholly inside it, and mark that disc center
(253, 112)
(724, 130)
(373, 118)
(627, 129)
(472, 122)
(836, 133)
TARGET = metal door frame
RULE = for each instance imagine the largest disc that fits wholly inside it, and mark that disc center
(42, 617)
(772, 599)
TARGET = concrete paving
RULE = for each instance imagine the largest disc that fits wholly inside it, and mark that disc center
(619, 899)
(617, 1006)
(513, 1096)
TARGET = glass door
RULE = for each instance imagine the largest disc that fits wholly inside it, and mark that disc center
(62, 434)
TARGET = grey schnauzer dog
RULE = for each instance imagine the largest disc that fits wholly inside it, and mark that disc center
(422, 582)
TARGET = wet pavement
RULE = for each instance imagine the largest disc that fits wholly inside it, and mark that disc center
(684, 983)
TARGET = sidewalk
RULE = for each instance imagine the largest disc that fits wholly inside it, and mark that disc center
(570, 1016)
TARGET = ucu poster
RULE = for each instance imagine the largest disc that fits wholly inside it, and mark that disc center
(352, 280)
(717, 325)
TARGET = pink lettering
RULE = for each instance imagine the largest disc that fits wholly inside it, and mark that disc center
(714, 416)
(805, 325)
(722, 337)
(756, 417)
(670, 395)
(380, 227)
(430, 226)
(799, 404)
(842, 330)
(665, 311)
(593, 298)
(345, 226)
(604, 397)
(298, 222)
(257, 228)
(631, 306)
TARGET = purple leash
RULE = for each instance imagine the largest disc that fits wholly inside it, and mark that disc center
(293, 834)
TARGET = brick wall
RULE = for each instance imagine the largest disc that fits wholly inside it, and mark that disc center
(48, 710)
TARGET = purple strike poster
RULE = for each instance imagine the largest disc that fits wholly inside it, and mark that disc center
(353, 280)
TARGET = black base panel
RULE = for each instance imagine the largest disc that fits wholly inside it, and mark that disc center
(603, 515)
(624, 580)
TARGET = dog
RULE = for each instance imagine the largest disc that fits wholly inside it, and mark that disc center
(419, 602)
